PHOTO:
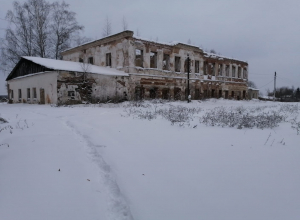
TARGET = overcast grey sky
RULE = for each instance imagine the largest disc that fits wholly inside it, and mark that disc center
(265, 33)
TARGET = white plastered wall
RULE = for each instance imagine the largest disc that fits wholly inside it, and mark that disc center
(46, 81)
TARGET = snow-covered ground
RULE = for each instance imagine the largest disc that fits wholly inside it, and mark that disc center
(114, 165)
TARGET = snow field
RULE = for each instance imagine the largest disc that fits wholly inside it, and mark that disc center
(145, 169)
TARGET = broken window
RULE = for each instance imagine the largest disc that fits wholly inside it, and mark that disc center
(166, 62)
(239, 72)
(212, 93)
(28, 93)
(11, 94)
(197, 66)
(153, 60)
(80, 60)
(232, 94)
(71, 94)
(205, 68)
(34, 93)
(139, 58)
(233, 71)
(91, 60)
(227, 70)
(177, 64)
(108, 59)
(220, 69)
(153, 93)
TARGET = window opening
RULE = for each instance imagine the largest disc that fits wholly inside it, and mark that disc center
(91, 60)
(177, 64)
(166, 62)
(153, 60)
(139, 58)
(108, 59)
(197, 66)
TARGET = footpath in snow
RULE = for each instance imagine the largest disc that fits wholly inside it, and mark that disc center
(128, 161)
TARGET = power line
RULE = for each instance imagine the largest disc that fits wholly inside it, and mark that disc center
(266, 84)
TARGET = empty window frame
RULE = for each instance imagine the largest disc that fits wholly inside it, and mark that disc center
(80, 60)
(34, 93)
(166, 62)
(153, 60)
(139, 58)
(205, 64)
(91, 60)
(212, 69)
(20, 94)
(239, 72)
(227, 70)
(177, 64)
(11, 94)
(28, 93)
(197, 66)
(108, 59)
(245, 73)
(233, 71)
(220, 71)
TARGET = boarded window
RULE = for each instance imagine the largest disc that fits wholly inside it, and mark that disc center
(28, 93)
(233, 71)
(34, 93)
(177, 64)
(166, 62)
(108, 59)
(227, 70)
(139, 58)
(197, 64)
(91, 60)
(153, 60)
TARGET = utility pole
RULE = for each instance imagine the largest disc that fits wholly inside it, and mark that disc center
(188, 77)
(274, 86)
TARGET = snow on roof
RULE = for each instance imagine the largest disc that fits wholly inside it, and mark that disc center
(213, 55)
(75, 66)
(173, 43)
(251, 88)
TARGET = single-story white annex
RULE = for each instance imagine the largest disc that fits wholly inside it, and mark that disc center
(48, 81)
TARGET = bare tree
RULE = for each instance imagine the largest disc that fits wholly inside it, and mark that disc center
(251, 84)
(189, 41)
(79, 40)
(107, 30)
(125, 24)
(64, 25)
(39, 13)
(19, 38)
(37, 28)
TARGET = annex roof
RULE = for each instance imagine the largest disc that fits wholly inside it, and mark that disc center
(75, 66)
(28, 66)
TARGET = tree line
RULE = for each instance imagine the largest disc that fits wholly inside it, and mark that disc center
(286, 94)
(39, 28)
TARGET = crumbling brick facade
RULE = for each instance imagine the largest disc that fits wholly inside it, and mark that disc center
(159, 70)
